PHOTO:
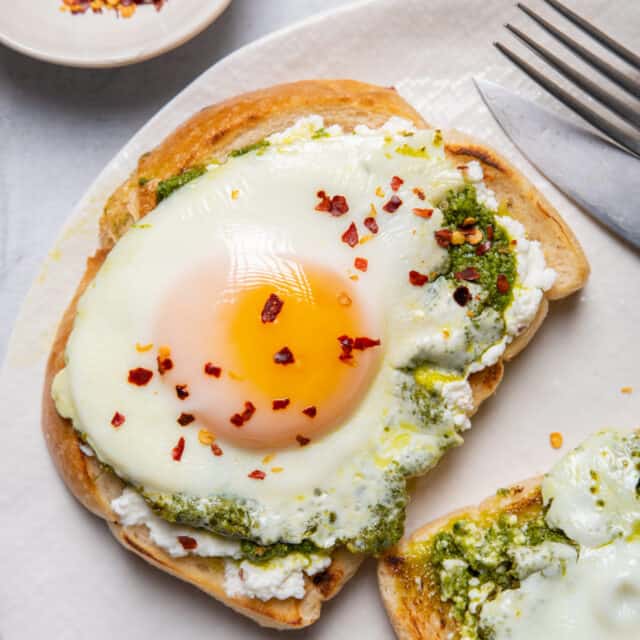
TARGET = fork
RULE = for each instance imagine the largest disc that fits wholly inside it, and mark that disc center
(628, 112)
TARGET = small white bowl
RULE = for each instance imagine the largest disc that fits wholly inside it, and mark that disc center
(39, 29)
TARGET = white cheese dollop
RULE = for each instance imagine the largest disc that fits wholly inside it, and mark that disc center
(280, 578)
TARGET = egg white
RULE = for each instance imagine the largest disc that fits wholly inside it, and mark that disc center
(263, 204)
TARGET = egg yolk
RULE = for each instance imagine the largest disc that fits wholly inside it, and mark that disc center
(279, 339)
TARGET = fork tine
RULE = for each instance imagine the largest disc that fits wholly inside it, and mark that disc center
(610, 101)
(592, 117)
(600, 36)
(622, 79)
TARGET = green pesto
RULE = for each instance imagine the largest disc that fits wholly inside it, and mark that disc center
(387, 524)
(484, 550)
(168, 186)
(499, 259)
(426, 403)
(320, 133)
(261, 145)
(258, 553)
(222, 515)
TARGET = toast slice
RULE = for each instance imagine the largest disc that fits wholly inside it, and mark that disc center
(213, 133)
(421, 614)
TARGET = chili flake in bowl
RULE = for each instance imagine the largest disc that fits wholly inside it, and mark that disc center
(122, 8)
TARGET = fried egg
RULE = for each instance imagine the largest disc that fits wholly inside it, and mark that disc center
(251, 342)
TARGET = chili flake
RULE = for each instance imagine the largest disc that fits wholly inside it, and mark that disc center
(396, 183)
(185, 418)
(502, 284)
(188, 543)
(489, 232)
(379, 192)
(216, 450)
(211, 370)
(556, 439)
(282, 403)
(284, 356)
(362, 264)
(238, 419)
(272, 307)
(483, 247)
(302, 440)
(363, 343)
(256, 474)
(371, 224)
(443, 237)
(166, 364)
(470, 274)
(140, 376)
(392, 205)
(178, 450)
(418, 279)
(346, 344)
(206, 437)
(350, 236)
(336, 206)
(182, 391)
(117, 420)
(422, 213)
(462, 295)
(419, 192)
(310, 412)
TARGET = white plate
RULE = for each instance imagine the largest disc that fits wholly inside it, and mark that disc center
(39, 29)
(64, 576)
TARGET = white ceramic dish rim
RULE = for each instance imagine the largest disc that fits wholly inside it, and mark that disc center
(165, 43)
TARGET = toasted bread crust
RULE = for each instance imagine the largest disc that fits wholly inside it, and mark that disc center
(213, 133)
(429, 619)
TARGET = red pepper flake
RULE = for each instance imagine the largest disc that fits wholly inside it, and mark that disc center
(188, 543)
(396, 183)
(302, 440)
(462, 295)
(392, 205)
(483, 247)
(282, 403)
(350, 236)
(185, 418)
(419, 192)
(211, 370)
(502, 283)
(178, 450)
(470, 274)
(371, 224)
(216, 450)
(362, 264)
(443, 237)
(418, 279)
(284, 356)
(272, 307)
(310, 412)
(256, 474)
(182, 391)
(117, 420)
(363, 343)
(346, 344)
(140, 376)
(489, 232)
(238, 419)
(423, 213)
(164, 364)
(336, 206)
